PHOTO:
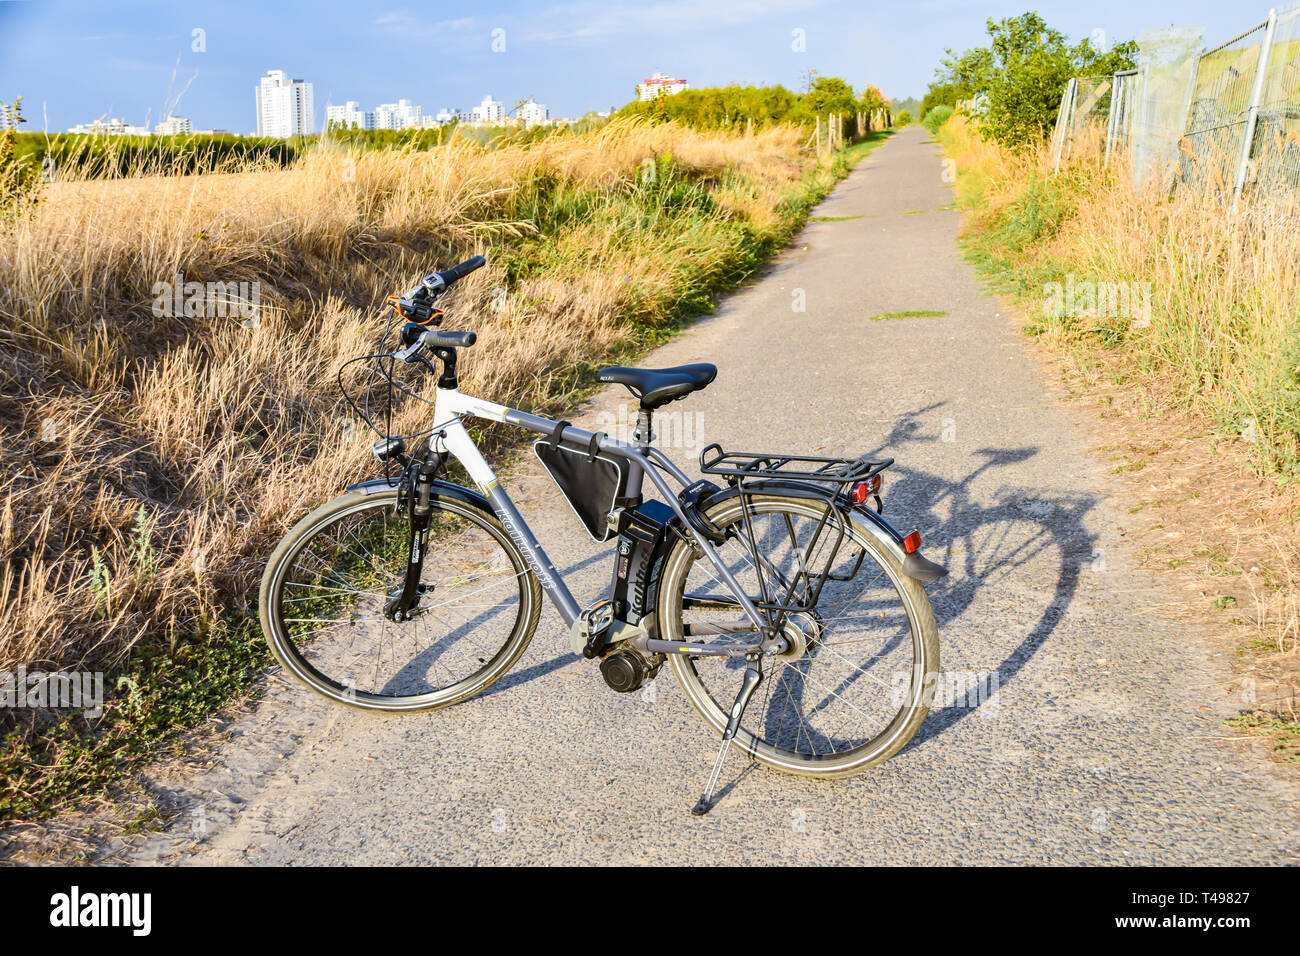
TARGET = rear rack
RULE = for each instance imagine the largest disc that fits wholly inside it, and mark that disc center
(829, 477)
(740, 465)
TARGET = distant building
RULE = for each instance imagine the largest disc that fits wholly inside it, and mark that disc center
(350, 116)
(489, 111)
(533, 114)
(453, 115)
(659, 85)
(214, 132)
(174, 126)
(284, 106)
(398, 115)
(110, 127)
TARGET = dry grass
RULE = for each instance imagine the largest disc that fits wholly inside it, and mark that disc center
(1199, 410)
(223, 432)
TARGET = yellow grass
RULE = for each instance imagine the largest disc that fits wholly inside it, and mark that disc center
(1217, 368)
(225, 433)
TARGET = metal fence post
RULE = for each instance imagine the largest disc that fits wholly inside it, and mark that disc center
(1069, 120)
(1063, 118)
(1252, 115)
(1116, 90)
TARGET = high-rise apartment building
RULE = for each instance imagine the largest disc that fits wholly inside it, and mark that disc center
(398, 115)
(489, 111)
(350, 116)
(533, 114)
(284, 106)
(659, 85)
(174, 126)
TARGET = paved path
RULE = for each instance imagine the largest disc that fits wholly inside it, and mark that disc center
(1102, 745)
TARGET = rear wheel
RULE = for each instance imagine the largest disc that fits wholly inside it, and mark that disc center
(857, 680)
(326, 584)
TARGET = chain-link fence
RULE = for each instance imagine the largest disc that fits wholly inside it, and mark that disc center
(1225, 120)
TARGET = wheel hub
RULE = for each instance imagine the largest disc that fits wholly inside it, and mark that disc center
(801, 631)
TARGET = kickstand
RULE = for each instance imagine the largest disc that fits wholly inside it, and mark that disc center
(752, 677)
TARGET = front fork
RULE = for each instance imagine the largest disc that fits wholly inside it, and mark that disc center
(417, 499)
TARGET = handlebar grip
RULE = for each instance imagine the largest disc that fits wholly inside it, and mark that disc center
(450, 339)
(456, 273)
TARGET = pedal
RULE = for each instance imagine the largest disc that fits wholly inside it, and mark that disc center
(590, 629)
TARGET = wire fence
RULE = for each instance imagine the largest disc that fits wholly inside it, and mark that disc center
(1224, 120)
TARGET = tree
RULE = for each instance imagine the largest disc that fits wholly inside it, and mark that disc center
(871, 99)
(829, 94)
(1021, 73)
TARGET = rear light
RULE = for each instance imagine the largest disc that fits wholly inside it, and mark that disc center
(865, 489)
(912, 543)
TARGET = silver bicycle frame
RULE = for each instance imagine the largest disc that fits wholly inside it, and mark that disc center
(451, 407)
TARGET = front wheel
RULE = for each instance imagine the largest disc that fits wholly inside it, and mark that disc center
(856, 682)
(326, 585)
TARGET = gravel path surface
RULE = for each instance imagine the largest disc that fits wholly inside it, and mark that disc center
(1102, 745)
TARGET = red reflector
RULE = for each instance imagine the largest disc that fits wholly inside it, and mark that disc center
(912, 543)
(865, 489)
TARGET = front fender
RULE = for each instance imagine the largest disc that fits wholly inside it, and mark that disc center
(440, 489)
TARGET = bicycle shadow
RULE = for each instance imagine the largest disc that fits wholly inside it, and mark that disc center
(1032, 533)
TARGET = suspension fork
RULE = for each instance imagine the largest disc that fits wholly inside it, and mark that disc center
(418, 502)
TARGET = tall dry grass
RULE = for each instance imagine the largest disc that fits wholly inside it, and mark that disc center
(1224, 330)
(1220, 353)
(149, 461)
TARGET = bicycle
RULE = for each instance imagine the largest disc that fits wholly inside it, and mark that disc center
(410, 592)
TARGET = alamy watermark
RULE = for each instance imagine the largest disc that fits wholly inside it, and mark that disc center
(672, 429)
(1075, 298)
(72, 690)
(969, 689)
(207, 300)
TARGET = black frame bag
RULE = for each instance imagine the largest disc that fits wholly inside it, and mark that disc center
(594, 484)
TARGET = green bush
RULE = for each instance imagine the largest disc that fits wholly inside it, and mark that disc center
(904, 118)
(109, 157)
(1020, 75)
(737, 106)
(936, 118)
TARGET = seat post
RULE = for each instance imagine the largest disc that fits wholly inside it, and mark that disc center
(643, 434)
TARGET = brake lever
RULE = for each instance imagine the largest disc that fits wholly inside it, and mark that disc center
(412, 351)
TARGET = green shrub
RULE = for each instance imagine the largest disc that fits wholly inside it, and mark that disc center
(1019, 76)
(904, 118)
(936, 118)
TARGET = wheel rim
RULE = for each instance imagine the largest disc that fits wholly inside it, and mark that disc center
(325, 611)
(853, 696)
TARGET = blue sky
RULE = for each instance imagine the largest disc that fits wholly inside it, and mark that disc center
(73, 62)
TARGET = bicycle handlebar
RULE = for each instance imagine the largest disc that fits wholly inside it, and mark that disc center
(448, 276)
(417, 303)
(418, 338)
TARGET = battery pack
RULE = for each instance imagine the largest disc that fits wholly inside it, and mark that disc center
(642, 535)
